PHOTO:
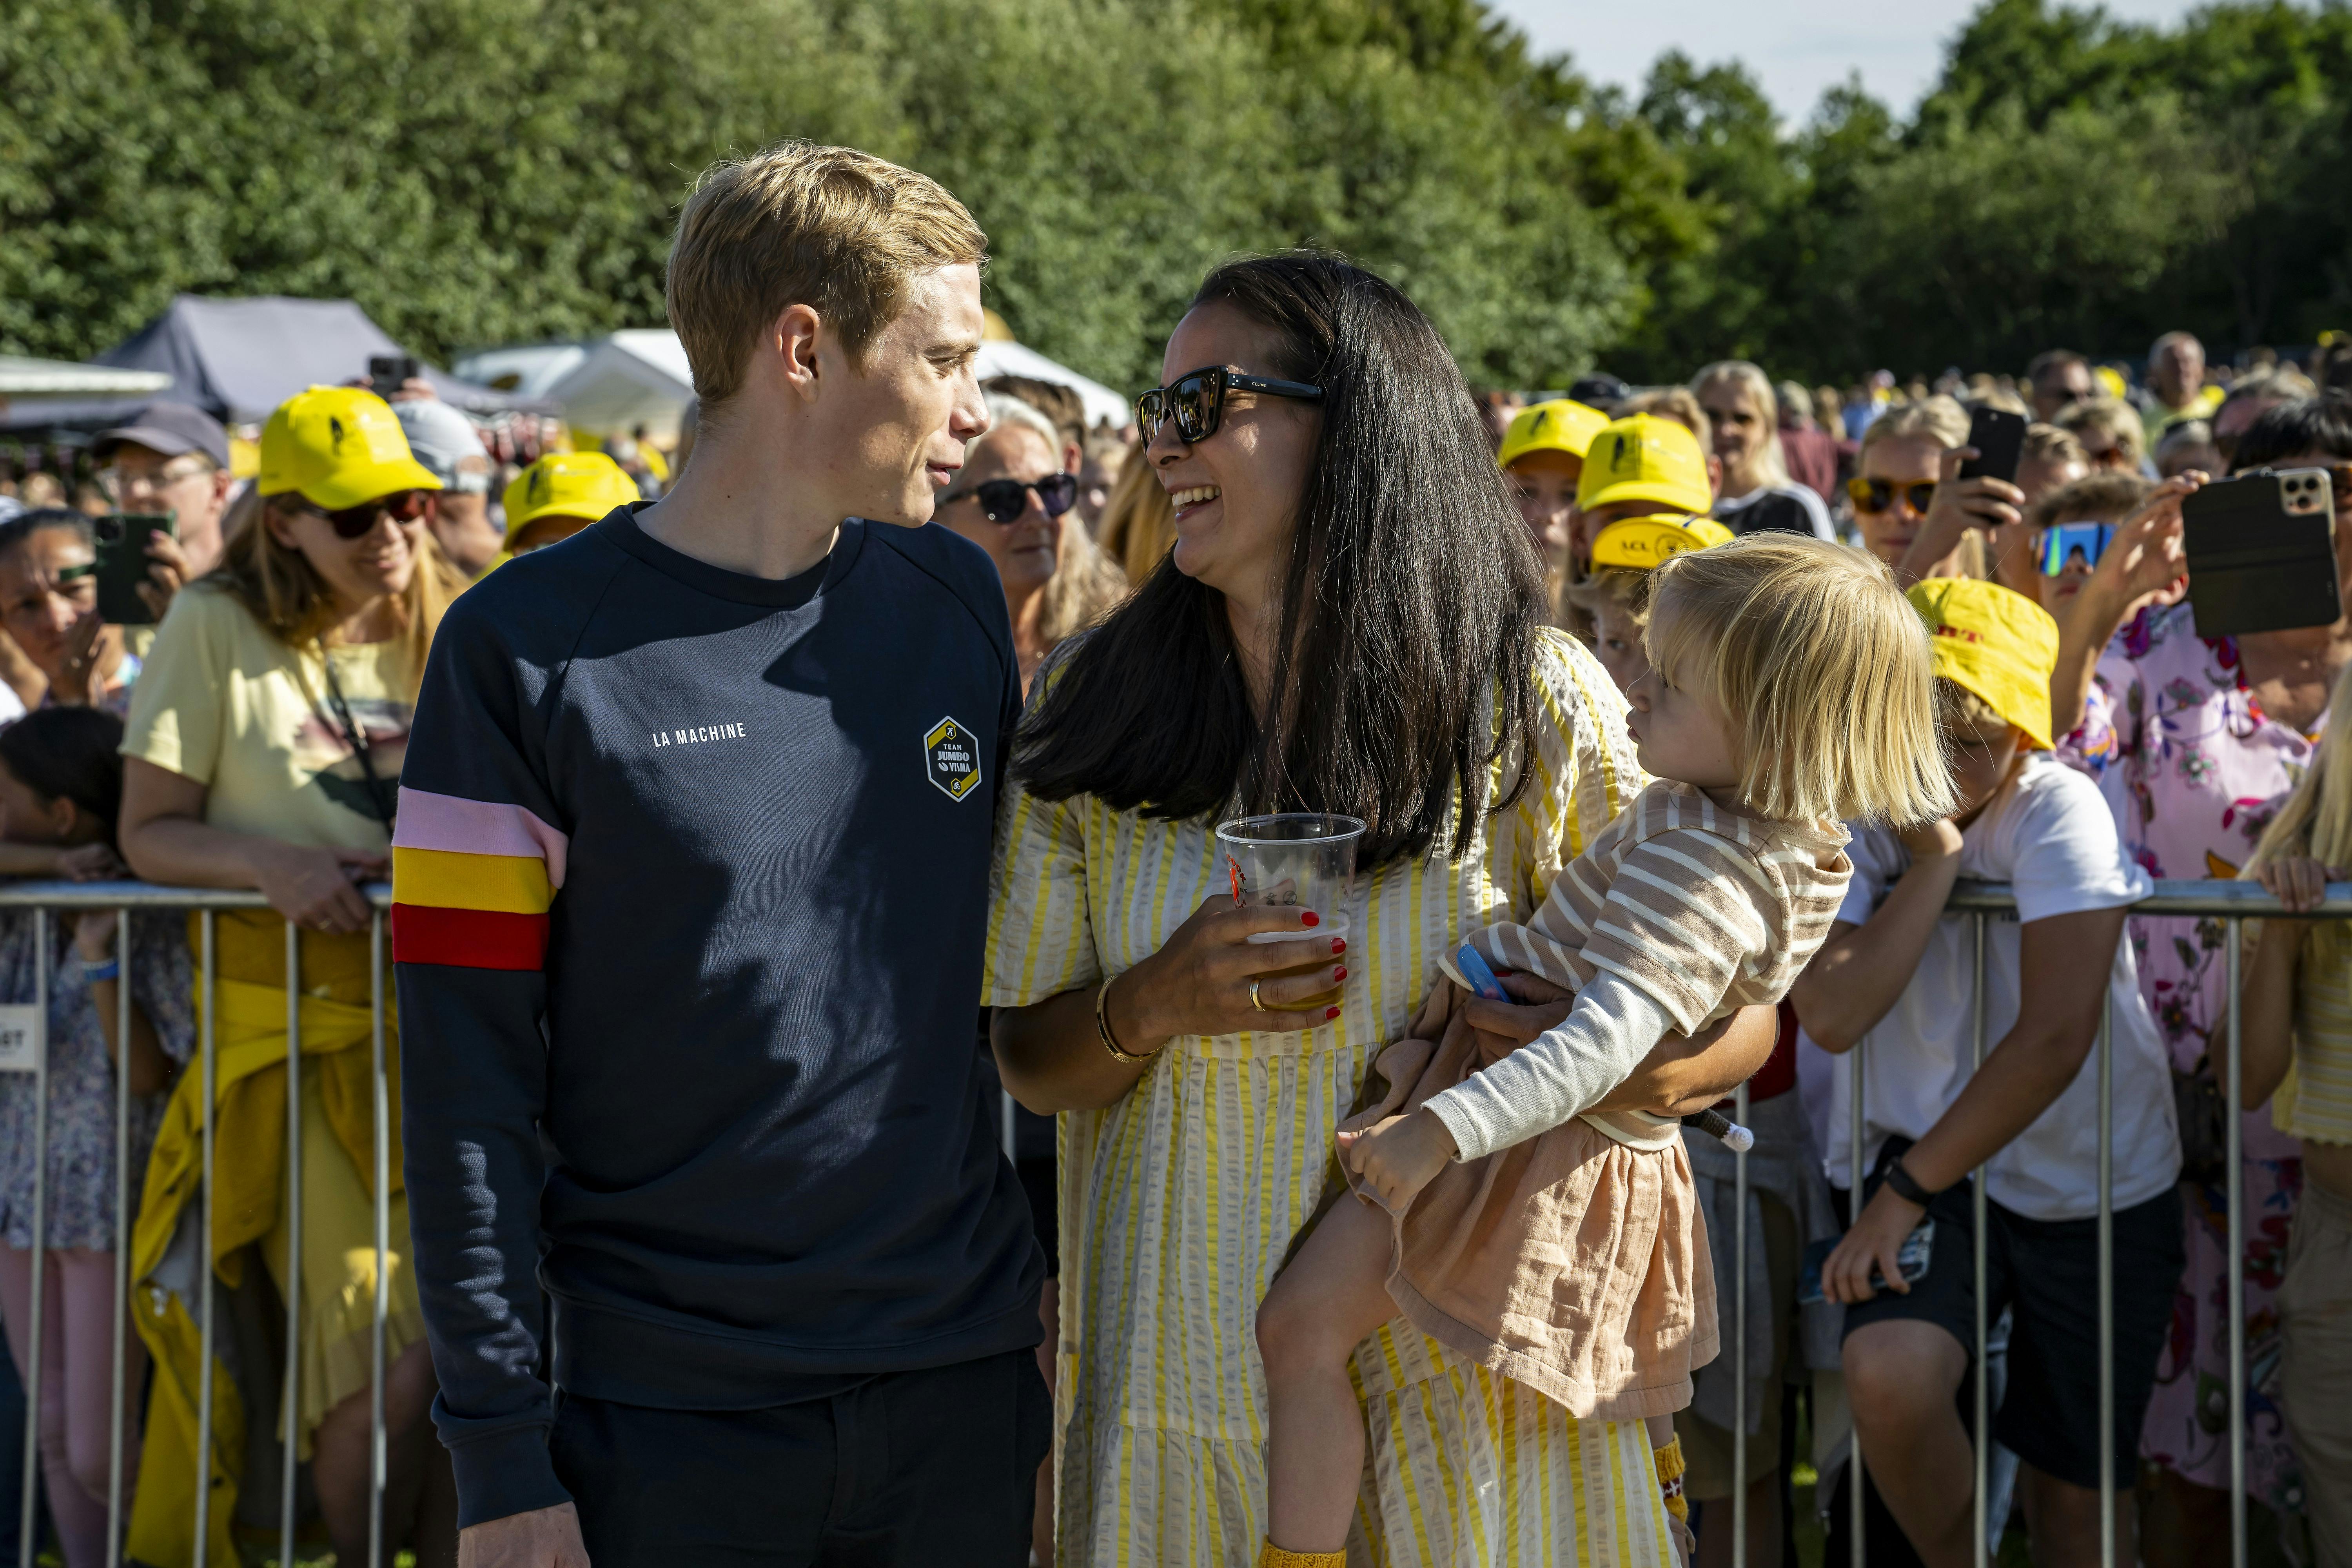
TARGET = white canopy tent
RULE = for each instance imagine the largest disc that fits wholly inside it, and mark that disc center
(605, 386)
(611, 384)
(22, 377)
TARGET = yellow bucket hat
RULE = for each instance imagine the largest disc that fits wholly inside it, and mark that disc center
(1644, 457)
(1642, 542)
(567, 484)
(337, 447)
(1998, 644)
(1562, 425)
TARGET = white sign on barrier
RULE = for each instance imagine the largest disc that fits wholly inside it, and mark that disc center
(20, 1037)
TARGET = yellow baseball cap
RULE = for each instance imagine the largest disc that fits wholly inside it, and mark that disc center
(1562, 425)
(1644, 457)
(1642, 542)
(1998, 644)
(338, 446)
(567, 484)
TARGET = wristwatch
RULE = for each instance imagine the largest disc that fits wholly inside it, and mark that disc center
(1907, 1186)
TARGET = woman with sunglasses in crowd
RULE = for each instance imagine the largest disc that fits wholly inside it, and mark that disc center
(1351, 621)
(1013, 500)
(1914, 511)
(264, 750)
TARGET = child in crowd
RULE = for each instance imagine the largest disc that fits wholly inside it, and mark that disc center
(1616, 598)
(60, 789)
(2297, 1039)
(2104, 500)
(1790, 685)
(1898, 977)
(1788, 1202)
(1542, 457)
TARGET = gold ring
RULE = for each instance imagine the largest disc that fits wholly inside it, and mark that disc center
(1253, 1001)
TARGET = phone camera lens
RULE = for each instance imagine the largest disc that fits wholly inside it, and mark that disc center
(108, 529)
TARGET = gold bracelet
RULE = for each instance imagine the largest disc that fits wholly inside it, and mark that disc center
(1102, 1028)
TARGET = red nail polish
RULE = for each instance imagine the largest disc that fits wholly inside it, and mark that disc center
(1309, 918)
(1330, 1013)
(1338, 944)
(1341, 974)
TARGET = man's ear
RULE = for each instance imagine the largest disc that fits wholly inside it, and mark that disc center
(794, 338)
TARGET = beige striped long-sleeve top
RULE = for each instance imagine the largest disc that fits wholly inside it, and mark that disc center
(1708, 909)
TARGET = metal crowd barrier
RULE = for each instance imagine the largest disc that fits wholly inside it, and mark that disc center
(46, 898)
(2233, 903)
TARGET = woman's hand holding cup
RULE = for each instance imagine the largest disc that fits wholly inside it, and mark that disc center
(1200, 980)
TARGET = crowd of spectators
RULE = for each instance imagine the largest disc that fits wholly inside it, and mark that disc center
(246, 729)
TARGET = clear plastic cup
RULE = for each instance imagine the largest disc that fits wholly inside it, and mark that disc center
(1302, 859)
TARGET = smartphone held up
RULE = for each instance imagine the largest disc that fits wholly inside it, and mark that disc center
(2262, 552)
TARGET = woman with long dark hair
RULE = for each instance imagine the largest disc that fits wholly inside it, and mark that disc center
(1351, 621)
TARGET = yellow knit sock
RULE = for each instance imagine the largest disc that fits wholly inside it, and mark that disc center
(1273, 1556)
(1670, 1477)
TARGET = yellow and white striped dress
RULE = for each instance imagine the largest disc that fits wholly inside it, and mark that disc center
(1178, 1204)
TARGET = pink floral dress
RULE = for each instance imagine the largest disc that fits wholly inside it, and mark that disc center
(2194, 770)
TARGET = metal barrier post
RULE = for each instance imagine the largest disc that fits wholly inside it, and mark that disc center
(2234, 1178)
(1855, 1514)
(2107, 1278)
(1739, 1339)
(207, 1046)
(28, 1530)
(116, 1420)
(1006, 1124)
(294, 1282)
(1981, 1485)
(377, 1441)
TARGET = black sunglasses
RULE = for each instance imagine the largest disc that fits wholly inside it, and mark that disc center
(357, 522)
(1877, 495)
(1196, 401)
(1004, 500)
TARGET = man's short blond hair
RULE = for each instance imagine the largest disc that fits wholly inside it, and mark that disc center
(834, 228)
(1822, 666)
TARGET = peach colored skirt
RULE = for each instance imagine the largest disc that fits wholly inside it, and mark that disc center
(1570, 1262)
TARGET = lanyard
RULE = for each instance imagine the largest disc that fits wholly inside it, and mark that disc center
(356, 738)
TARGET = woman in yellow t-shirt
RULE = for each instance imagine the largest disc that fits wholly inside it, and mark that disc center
(2296, 1039)
(1344, 540)
(264, 750)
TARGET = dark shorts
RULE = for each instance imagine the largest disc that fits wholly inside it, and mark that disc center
(907, 1469)
(2047, 1273)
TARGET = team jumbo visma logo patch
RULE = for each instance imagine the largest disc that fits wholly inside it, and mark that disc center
(951, 758)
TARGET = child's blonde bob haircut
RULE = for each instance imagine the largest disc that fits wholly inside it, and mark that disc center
(1822, 669)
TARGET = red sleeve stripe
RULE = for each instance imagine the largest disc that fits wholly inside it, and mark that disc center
(467, 939)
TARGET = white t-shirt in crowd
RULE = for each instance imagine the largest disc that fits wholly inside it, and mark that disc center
(2050, 835)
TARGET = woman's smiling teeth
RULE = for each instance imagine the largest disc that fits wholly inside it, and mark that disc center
(1193, 495)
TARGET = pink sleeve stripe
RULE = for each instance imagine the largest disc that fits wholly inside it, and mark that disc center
(430, 821)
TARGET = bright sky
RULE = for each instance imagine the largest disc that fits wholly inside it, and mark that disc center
(1798, 48)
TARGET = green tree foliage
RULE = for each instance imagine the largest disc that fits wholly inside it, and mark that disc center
(2070, 179)
(480, 171)
(476, 171)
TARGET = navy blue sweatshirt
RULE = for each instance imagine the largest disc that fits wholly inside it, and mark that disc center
(690, 886)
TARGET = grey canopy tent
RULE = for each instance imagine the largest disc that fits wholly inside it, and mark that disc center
(238, 358)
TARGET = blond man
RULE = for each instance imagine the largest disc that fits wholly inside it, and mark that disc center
(689, 871)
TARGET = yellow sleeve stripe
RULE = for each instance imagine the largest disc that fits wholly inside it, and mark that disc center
(443, 878)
